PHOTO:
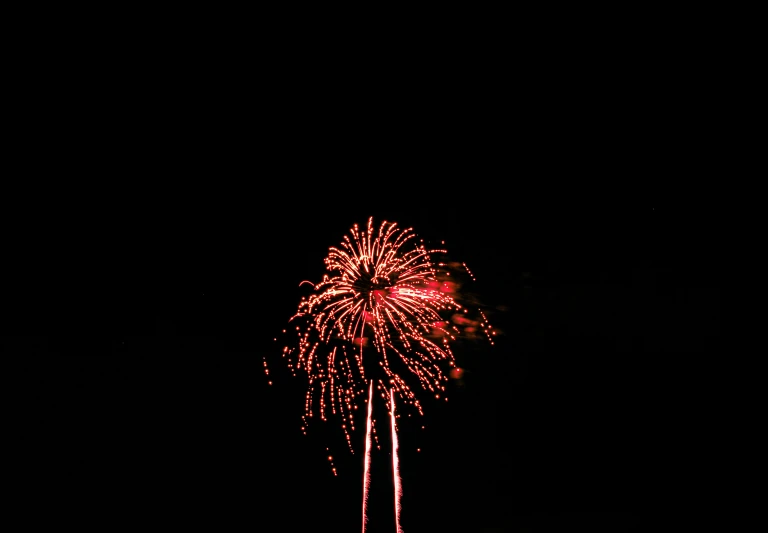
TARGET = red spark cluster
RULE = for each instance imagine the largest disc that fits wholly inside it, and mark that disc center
(384, 314)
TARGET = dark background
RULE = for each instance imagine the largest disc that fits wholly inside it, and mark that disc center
(149, 286)
(155, 398)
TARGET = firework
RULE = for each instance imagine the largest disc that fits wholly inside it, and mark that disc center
(382, 319)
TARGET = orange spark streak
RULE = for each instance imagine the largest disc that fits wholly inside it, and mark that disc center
(367, 467)
(395, 463)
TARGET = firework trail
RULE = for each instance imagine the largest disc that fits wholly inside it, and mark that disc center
(367, 465)
(395, 462)
(384, 316)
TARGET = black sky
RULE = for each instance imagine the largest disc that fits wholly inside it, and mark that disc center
(144, 298)
(155, 397)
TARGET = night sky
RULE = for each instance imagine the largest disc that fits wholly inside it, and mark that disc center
(171, 193)
(148, 395)
(144, 298)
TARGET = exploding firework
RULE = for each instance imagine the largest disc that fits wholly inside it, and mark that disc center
(383, 318)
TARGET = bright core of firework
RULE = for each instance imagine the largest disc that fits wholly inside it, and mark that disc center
(377, 316)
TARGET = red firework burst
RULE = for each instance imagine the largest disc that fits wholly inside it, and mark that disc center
(386, 312)
(384, 316)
